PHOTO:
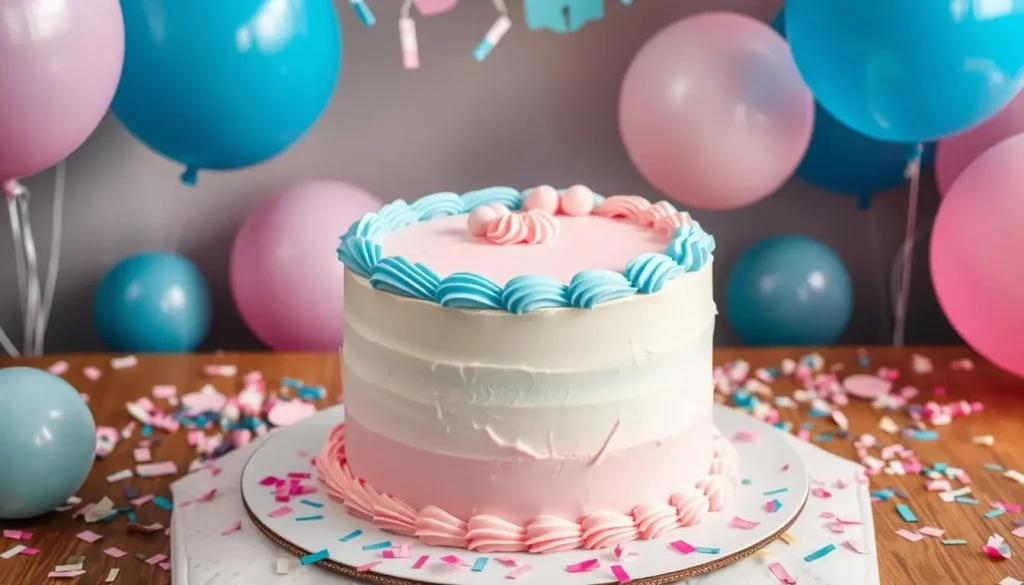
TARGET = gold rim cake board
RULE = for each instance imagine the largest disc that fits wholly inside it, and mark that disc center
(664, 579)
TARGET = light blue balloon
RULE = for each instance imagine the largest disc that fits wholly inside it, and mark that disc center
(226, 84)
(909, 70)
(844, 161)
(47, 442)
(153, 302)
(789, 290)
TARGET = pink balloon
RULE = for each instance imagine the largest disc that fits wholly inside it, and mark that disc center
(976, 255)
(285, 275)
(714, 113)
(59, 67)
(957, 152)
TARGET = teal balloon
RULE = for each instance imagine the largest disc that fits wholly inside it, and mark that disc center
(153, 302)
(226, 84)
(844, 161)
(909, 70)
(789, 290)
(47, 442)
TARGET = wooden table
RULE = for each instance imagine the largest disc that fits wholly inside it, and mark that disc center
(902, 562)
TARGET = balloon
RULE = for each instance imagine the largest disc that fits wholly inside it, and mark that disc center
(789, 290)
(910, 70)
(959, 151)
(153, 302)
(226, 84)
(285, 275)
(49, 441)
(975, 255)
(59, 66)
(845, 161)
(713, 112)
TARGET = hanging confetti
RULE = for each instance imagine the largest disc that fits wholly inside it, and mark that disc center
(435, 7)
(364, 13)
(562, 16)
(409, 42)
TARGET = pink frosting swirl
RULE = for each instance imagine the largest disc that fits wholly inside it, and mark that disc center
(436, 527)
(648, 216)
(607, 529)
(624, 206)
(724, 465)
(549, 534)
(691, 506)
(541, 226)
(719, 490)
(489, 534)
(666, 226)
(653, 520)
(394, 516)
(508, 229)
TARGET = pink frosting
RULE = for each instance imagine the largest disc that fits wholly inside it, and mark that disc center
(666, 226)
(622, 206)
(480, 219)
(508, 229)
(544, 198)
(648, 216)
(541, 227)
(545, 533)
(577, 200)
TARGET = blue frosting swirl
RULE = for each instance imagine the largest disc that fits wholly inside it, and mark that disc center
(468, 290)
(649, 272)
(590, 287)
(438, 205)
(401, 277)
(527, 293)
(366, 227)
(359, 254)
(691, 247)
(507, 196)
(397, 214)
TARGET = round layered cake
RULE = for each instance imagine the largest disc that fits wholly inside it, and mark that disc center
(528, 371)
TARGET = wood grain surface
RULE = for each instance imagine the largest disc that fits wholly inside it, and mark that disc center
(902, 562)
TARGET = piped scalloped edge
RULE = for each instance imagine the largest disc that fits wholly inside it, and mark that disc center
(689, 249)
(544, 534)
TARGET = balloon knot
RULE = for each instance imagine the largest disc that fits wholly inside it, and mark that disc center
(12, 189)
(191, 176)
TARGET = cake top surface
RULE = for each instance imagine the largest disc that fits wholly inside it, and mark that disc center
(503, 249)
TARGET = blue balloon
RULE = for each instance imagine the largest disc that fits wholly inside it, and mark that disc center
(845, 161)
(226, 84)
(153, 302)
(909, 70)
(47, 442)
(789, 290)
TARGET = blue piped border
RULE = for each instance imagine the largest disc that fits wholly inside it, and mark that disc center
(360, 250)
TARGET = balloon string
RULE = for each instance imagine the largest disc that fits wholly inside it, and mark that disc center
(903, 299)
(32, 270)
(53, 266)
(19, 253)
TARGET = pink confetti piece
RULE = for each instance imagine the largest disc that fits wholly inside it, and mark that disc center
(621, 574)
(233, 528)
(519, 572)
(58, 368)
(164, 391)
(421, 561)
(622, 553)
(507, 562)
(156, 469)
(939, 485)
(282, 511)
(142, 455)
(30, 552)
(821, 493)
(746, 437)
(583, 566)
(165, 565)
(367, 567)
(92, 372)
(683, 547)
(771, 506)
(156, 559)
(17, 535)
(114, 552)
(911, 536)
(454, 561)
(836, 527)
(220, 370)
(145, 528)
(738, 522)
(781, 574)
(208, 496)
(996, 548)
(931, 531)
(1018, 532)
(827, 515)
(856, 546)
(141, 500)
(268, 481)
(89, 536)
(65, 574)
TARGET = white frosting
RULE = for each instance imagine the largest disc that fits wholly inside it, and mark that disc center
(555, 383)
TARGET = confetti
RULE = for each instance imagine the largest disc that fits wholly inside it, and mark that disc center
(1010, 581)
(906, 513)
(622, 553)
(886, 424)
(1018, 532)
(163, 503)
(402, 552)
(781, 574)
(452, 560)
(282, 511)
(121, 363)
(114, 552)
(738, 522)
(932, 531)
(988, 440)
(145, 528)
(233, 528)
(92, 372)
(996, 548)
(378, 545)
(772, 506)
(1014, 475)
(519, 572)
(953, 541)
(994, 513)
(314, 557)
(282, 566)
(112, 575)
(10, 553)
(17, 535)
(311, 503)
(682, 546)
(156, 469)
(64, 574)
(788, 538)
(156, 559)
(88, 536)
(911, 536)
(58, 368)
(119, 476)
(420, 562)
(583, 566)
(708, 550)
(820, 553)
(351, 536)
(309, 518)
(776, 492)
(479, 564)
(621, 574)
(822, 493)
(856, 546)
(367, 567)
(142, 455)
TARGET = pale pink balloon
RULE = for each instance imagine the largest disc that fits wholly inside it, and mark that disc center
(957, 152)
(286, 278)
(59, 67)
(714, 113)
(976, 255)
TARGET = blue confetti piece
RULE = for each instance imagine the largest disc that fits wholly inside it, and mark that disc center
(776, 492)
(883, 495)
(994, 467)
(708, 550)
(132, 517)
(364, 13)
(823, 437)
(109, 517)
(147, 431)
(124, 509)
(820, 553)
(940, 466)
(815, 413)
(906, 513)
(292, 383)
(479, 564)
(351, 536)
(163, 503)
(746, 481)
(312, 504)
(777, 504)
(785, 425)
(965, 500)
(930, 435)
(995, 513)
(309, 518)
(807, 426)
(378, 545)
(314, 557)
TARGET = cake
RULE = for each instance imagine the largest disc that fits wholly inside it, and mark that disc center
(528, 371)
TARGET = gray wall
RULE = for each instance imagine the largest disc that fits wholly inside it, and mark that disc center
(541, 109)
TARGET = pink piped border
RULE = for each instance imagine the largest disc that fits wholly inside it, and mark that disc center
(544, 534)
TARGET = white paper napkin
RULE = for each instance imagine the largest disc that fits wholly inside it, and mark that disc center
(202, 555)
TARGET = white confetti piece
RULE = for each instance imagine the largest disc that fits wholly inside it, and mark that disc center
(121, 363)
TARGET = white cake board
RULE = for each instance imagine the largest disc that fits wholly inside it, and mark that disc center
(766, 464)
